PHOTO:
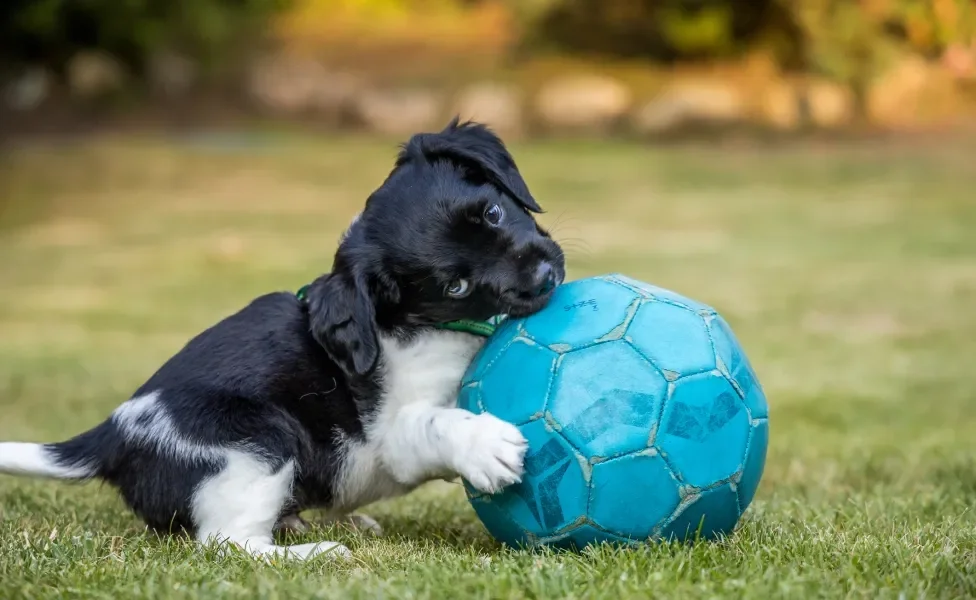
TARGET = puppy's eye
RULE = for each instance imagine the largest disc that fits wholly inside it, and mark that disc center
(458, 288)
(494, 214)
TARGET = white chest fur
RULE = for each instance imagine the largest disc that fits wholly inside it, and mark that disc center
(419, 376)
(427, 369)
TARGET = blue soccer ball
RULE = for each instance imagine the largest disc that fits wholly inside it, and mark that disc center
(645, 420)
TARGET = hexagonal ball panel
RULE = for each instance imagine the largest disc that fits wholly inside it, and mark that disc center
(515, 387)
(715, 512)
(704, 430)
(733, 357)
(553, 492)
(755, 464)
(605, 399)
(502, 527)
(633, 494)
(579, 313)
(674, 338)
(653, 291)
(489, 351)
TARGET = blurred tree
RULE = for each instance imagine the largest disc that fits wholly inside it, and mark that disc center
(848, 40)
(927, 26)
(844, 40)
(663, 30)
(853, 41)
(49, 32)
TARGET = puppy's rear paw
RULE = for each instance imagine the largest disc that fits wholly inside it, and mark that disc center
(490, 454)
(292, 523)
(356, 522)
(366, 524)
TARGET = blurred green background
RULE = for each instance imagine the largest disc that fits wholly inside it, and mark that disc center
(647, 68)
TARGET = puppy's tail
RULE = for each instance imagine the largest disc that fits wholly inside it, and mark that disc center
(78, 458)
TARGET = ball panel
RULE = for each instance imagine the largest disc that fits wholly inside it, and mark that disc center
(755, 463)
(499, 524)
(470, 398)
(704, 430)
(504, 334)
(652, 291)
(632, 495)
(605, 399)
(673, 338)
(755, 397)
(711, 514)
(580, 313)
(731, 355)
(586, 534)
(516, 386)
(554, 490)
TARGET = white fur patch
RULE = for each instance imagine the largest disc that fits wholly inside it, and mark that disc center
(143, 420)
(242, 500)
(424, 372)
(418, 434)
(22, 458)
(241, 504)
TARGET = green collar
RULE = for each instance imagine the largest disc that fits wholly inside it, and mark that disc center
(482, 328)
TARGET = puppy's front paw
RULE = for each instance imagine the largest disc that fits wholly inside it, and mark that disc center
(489, 453)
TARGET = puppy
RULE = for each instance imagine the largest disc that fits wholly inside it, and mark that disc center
(343, 395)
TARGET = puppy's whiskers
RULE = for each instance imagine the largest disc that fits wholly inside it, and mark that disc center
(572, 247)
(563, 219)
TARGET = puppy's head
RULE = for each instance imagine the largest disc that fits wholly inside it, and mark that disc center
(449, 235)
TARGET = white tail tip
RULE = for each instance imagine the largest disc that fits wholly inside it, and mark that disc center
(22, 458)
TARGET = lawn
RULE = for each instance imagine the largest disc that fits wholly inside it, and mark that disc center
(849, 274)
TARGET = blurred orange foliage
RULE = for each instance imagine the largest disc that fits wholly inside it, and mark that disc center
(434, 26)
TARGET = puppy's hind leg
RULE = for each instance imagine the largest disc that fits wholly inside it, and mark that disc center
(242, 503)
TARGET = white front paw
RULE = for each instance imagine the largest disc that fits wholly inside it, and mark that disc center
(489, 452)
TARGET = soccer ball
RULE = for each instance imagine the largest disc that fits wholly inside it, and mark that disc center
(645, 420)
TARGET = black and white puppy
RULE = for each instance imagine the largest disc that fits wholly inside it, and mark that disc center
(345, 396)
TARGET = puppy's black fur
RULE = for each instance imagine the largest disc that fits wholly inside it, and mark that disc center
(448, 235)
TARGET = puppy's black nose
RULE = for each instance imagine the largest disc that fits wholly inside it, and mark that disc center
(544, 279)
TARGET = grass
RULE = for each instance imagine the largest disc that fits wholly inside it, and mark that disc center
(848, 273)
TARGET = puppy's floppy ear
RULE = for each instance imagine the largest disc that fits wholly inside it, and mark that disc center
(343, 320)
(476, 147)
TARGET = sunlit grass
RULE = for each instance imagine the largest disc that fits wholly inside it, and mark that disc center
(849, 275)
